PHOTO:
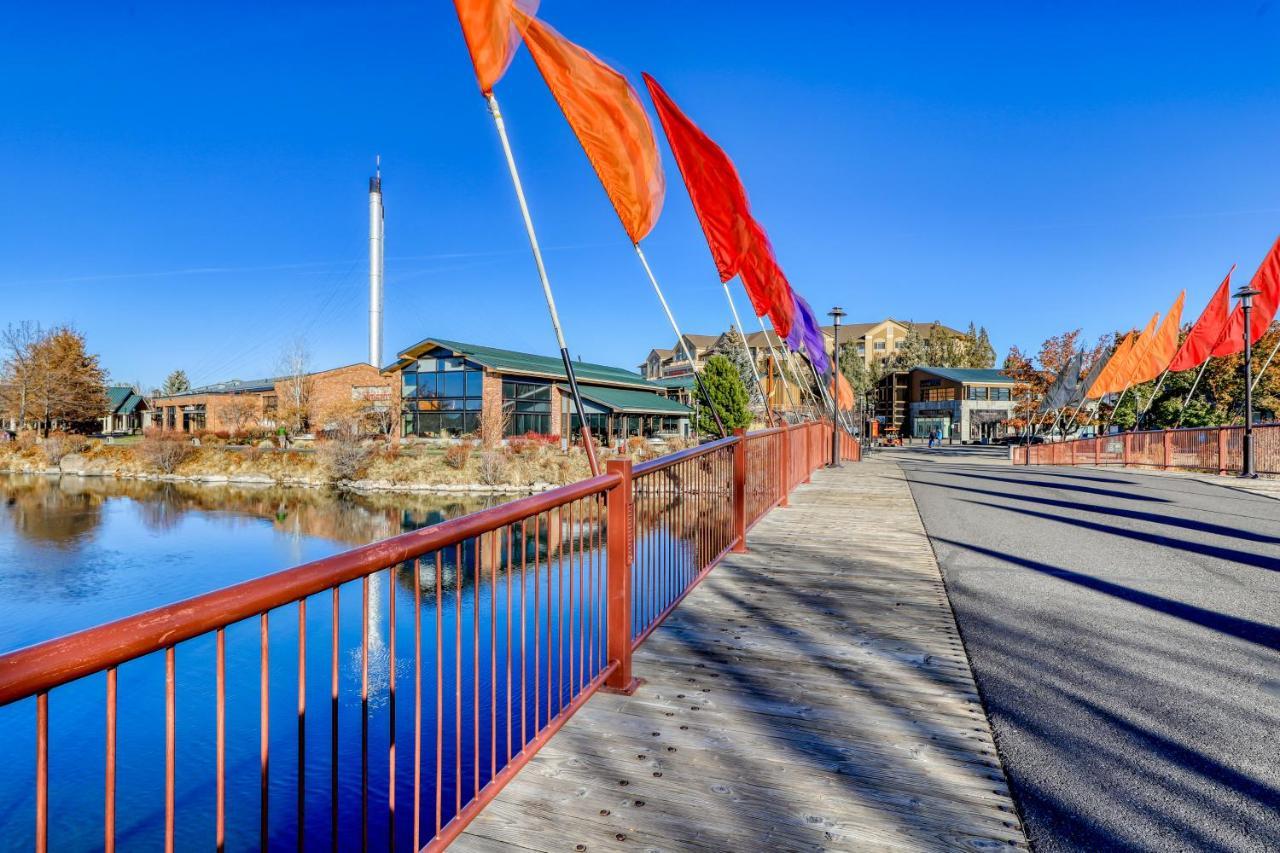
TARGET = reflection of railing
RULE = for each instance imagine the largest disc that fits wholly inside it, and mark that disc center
(558, 588)
(1213, 449)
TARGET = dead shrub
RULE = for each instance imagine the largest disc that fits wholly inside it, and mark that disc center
(457, 456)
(56, 445)
(344, 460)
(493, 468)
(164, 451)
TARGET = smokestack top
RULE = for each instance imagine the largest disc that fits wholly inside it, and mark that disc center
(375, 183)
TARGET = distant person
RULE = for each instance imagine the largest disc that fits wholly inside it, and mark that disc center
(933, 436)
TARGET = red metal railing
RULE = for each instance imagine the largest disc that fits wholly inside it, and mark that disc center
(1213, 449)
(518, 615)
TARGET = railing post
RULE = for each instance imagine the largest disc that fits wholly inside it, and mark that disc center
(740, 490)
(785, 474)
(808, 451)
(621, 536)
(1097, 451)
(1124, 455)
(1222, 450)
(1167, 435)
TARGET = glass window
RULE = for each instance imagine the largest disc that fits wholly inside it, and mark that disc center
(451, 385)
(448, 397)
(474, 382)
(879, 345)
(976, 392)
(408, 385)
(426, 385)
(999, 394)
(528, 405)
(427, 365)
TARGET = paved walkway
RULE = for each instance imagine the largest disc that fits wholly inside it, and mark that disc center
(812, 694)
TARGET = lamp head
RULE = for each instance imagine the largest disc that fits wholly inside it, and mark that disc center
(836, 313)
(1245, 294)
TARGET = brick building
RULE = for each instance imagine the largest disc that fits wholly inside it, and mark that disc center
(239, 405)
(450, 388)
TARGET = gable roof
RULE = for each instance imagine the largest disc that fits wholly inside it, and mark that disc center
(116, 395)
(510, 361)
(969, 375)
(632, 402)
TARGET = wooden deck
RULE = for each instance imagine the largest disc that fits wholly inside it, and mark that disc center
(812, 694)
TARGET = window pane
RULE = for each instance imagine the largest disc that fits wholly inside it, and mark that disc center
(426, 385)
(474, 378)
(427, 364)
(451, 422)
(408, 385)
(407, 424)
(451, 385)
(451, 364)
(474, 403)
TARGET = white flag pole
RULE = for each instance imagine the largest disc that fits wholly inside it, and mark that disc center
(1194, 385)
(784, 372)
(733, 309)
(680, 338)
(587, 443)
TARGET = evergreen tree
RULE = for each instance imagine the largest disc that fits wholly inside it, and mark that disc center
(176, 383)
(984, 355)
(733, 346)
(728, 394)
(912, 353)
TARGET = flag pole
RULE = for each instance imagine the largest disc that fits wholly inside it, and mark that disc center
(764, 397)
(680, 338)
(1115, 408)
(1265, 365)
(1152, 401)
(587, 443)
(784, 370)
(1182, 413)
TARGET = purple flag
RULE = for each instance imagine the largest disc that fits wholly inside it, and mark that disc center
(806, 335)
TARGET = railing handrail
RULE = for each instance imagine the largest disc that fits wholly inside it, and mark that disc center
(44, 666)
(681, 455)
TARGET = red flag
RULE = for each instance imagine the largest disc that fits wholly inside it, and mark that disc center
(1267, 282)
(718, 197)
(609, 120)
(765, 283)
(1197, 347)
(491, 34)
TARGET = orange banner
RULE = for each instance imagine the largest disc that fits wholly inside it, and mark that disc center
(1102, 384)
(1162, 346)
(609, 120)
(842, 392)
(1121, 380)
(491, 34)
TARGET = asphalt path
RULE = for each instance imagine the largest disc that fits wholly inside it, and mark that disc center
(1124, 629)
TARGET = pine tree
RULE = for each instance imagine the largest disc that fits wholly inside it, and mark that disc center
(984, 355)
(176, 383)
(912, 353)
(734, 347)
(728, 395)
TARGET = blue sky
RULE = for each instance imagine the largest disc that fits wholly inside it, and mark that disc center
(186, 183)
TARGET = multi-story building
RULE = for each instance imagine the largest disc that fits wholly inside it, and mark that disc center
(451, 388)
(666, 363)
(959, 404)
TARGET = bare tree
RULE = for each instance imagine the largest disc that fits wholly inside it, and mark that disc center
(17, 369)
(239, 413)
(295, 407)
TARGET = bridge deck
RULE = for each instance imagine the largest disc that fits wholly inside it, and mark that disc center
(810, 694)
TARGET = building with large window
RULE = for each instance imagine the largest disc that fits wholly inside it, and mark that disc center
(127, 411)
(449, 388)
(958, 404)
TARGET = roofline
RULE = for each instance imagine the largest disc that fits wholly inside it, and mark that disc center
(639, 382)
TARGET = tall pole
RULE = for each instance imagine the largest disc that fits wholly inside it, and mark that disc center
(835, 314)
(587, 443)
(376, 255)
(787, 373)
(1246, 295)
(1151, 402)
(1115, 408)
(1266, 364)
(683, 344)
(1194, 385)
(764, 395)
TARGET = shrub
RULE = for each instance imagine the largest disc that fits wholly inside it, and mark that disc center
(344, 460)
(493, 469)
(164, 451)
(457, 455)
(56, 445)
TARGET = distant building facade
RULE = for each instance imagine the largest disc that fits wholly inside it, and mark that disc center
(450, 388)
(961, 404)
(128, 412)
(238, 404)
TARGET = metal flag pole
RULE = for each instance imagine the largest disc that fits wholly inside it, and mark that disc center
(587, 443)
(784, 367)
(1182, 413)
(1265, 365)
(1151, 402)
(680, 338)
(822, 388)
(1115, 408)
(764, 396)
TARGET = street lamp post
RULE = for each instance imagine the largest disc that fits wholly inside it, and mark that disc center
(835, 314)
(1245, 295)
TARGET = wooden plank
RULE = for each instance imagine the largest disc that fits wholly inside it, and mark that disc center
(812, 693)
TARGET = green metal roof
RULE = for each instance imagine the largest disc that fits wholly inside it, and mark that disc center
(969, 375)
(630, 402)
(509, 361)
(675, 381)
(116, 395)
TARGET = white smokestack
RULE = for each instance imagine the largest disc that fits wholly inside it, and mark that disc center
(375, 266)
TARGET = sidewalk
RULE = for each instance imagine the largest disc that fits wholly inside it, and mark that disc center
(811, 694)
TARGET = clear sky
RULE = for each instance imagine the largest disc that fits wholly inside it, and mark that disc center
(186, 183)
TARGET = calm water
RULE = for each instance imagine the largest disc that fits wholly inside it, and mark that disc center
(76, 552)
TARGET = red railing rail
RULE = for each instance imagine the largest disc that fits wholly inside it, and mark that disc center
(1215, 450)
(557, 591)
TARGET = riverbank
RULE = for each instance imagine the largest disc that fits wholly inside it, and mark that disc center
(521, 466)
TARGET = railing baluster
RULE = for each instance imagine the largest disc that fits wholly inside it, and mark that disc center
(264, 729)
(417, 702)
(109, 805)
(476, 574)
(510, 569)
(302, 722)
(439, 692)
(170, 745)
(42, 772)
(457, 676)
(391, 707)
(220, 736)
(333, 726)
(364, 713)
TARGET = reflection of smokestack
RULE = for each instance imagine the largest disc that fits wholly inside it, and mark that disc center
(375, 266)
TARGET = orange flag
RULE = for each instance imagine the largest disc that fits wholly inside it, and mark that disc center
(1122, 378)
(609, 120)
(1102, 384)
(842, 392)
(1162, 346)
(491, 34)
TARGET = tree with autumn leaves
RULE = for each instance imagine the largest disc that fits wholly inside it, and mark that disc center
(49, 379)
(1218, 398)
